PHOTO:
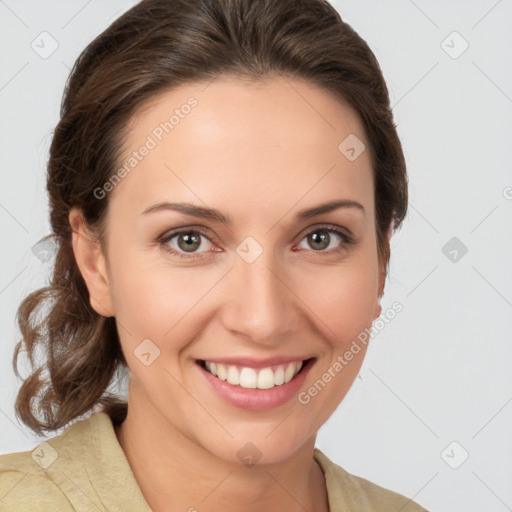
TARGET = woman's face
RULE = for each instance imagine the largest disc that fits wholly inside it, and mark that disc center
(255, 292)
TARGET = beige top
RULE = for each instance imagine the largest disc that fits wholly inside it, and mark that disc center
(85, 469)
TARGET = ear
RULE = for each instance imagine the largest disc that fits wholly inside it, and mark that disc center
(382, 281)
(91, 262)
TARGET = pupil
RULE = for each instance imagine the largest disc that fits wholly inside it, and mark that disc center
(323, 237)
(191, 241)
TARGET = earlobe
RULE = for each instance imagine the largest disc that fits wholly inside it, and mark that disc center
(91, 262)
(378, 308)
(382, 280)
(377, 311)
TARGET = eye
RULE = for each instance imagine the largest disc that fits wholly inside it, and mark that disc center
(185, 243)
(321, 238)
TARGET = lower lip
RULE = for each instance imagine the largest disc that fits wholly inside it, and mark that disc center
(257, 399)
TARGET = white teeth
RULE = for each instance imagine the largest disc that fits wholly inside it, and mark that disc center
(221, 372)
(266, 379)
(250, 378)
(211, 367)
(290, 372)
(279, 376)
(233, 375)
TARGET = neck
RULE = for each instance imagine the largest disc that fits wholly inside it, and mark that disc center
(176, 473)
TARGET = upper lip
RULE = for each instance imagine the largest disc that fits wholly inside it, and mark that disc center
(256, 363)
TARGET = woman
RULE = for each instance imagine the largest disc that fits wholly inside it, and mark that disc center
(223, 184)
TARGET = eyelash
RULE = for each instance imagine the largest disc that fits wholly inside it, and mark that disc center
(164, 239)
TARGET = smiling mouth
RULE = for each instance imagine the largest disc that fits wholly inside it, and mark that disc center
(255, 378)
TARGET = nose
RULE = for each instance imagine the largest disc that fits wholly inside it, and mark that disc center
(260, 302)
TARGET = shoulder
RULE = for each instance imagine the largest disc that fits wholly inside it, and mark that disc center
(83, 468)
(24, 486)
(43, 478)
(352, 493)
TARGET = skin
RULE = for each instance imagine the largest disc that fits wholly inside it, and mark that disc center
(259, 152)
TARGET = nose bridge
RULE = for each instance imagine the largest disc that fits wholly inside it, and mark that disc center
(260, 304)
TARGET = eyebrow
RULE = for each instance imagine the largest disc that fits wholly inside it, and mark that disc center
(215, 215)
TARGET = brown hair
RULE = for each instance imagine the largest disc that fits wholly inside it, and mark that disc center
(155, 46)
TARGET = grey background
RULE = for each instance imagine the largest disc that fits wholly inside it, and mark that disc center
(440, 371)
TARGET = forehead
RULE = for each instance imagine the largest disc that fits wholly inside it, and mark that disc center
(249, 142)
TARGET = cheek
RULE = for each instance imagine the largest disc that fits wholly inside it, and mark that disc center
(343, 297)
(153, 300)
(160, 301)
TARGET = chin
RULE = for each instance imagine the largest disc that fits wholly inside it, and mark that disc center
(249, 447)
